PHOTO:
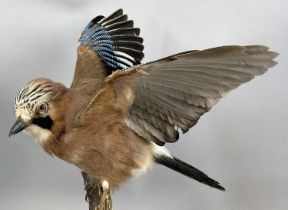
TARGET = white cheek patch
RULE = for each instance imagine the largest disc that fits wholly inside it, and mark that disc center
(41, 135)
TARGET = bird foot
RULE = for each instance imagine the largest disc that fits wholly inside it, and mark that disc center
(95, 189)
(91, 190)
(105, 202)
(98, 194)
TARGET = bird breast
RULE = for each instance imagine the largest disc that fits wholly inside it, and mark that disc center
(112, 153)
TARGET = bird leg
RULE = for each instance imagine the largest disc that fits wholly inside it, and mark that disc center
(105, 199)
(98, 194)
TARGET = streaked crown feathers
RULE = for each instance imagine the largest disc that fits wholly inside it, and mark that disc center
(35, 92)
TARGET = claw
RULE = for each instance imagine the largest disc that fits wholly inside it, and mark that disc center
(90, 192)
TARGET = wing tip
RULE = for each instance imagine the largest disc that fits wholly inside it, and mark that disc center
(102, 33)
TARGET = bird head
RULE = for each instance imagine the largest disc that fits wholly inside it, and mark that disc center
(34, 108)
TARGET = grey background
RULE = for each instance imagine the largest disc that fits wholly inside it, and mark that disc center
(242, 142)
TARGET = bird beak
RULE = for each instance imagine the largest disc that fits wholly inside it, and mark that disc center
(17, 127)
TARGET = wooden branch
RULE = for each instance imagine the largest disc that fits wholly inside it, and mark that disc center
(97, 198)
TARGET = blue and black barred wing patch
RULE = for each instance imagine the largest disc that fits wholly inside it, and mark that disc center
(115, 40)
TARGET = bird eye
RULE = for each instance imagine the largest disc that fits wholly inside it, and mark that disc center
(43, 108)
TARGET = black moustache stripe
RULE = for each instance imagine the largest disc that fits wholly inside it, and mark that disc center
(43, 122)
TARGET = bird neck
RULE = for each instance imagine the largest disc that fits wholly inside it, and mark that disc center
(64, 114)
(60, 105)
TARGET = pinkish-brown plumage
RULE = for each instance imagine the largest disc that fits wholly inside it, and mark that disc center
(112, 124)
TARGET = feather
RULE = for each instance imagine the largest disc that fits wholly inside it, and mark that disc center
(117, 25)
(127, 38)
(114, 41)
(115, 20)
(125, 31)
(177, 90)
(115, 14)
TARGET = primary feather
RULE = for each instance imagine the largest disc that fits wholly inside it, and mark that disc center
(112, 35)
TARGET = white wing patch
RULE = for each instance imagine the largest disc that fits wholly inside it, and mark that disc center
(159, 151)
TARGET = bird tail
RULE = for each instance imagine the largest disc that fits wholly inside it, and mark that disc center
(187, 170)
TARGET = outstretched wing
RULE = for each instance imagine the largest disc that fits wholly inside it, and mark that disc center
(175, 91)
(106, 44)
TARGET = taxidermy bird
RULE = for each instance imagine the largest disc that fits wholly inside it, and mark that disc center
(115, 118)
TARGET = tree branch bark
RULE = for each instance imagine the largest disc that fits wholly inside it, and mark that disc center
(97, 198)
